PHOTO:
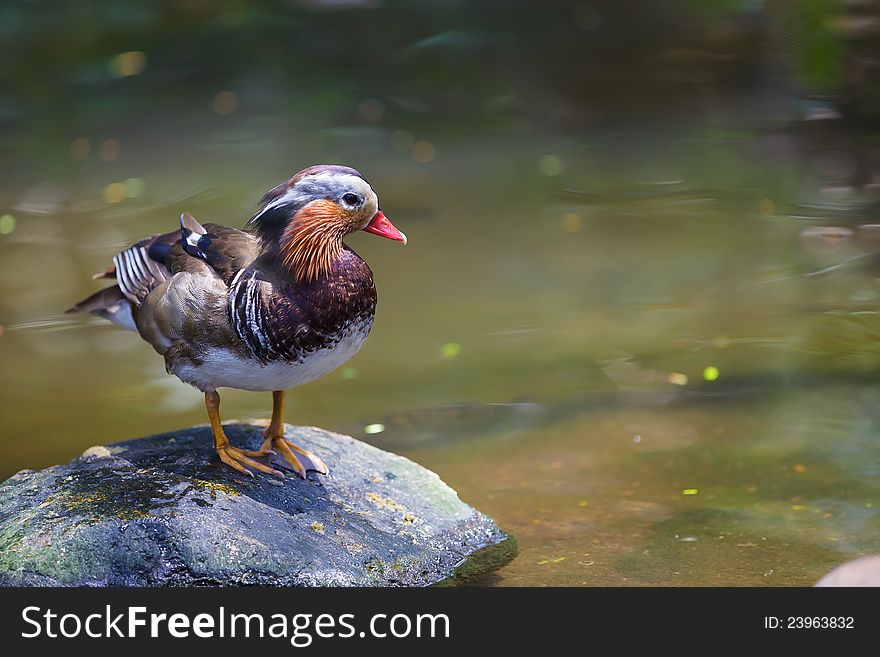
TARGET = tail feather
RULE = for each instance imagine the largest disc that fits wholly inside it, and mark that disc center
(109, 303)
(145, 265)
(110, 272)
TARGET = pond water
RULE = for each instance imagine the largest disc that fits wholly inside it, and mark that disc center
(647, 347)
(651, 388)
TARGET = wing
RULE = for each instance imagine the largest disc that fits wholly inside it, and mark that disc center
(212, 249)
(137, 270)
(143, 266)
(226, 250)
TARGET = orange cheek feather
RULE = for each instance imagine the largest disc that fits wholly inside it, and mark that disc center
(314, 238)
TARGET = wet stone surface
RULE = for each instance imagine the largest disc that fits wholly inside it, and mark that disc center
(163, 510)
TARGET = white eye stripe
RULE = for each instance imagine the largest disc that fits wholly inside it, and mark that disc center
(319, 185)
(282, 200)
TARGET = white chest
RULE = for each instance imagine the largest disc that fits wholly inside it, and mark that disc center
(221, 368)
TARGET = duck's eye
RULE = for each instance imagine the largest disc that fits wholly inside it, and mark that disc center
(351, 199)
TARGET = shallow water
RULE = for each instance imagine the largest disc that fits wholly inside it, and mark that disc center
(553, 370)
(646, 344)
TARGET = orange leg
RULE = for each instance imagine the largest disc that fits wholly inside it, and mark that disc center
(234, 457)
(275, 439)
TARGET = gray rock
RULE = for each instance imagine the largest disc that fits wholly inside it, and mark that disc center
(163, 511)
(861, 572)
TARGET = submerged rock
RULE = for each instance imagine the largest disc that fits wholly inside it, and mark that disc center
(163, 511)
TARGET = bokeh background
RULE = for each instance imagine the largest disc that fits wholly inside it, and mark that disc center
(637, 318)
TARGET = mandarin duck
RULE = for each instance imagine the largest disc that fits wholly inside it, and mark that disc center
(276, 305)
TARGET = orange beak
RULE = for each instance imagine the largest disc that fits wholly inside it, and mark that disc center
(379, 225)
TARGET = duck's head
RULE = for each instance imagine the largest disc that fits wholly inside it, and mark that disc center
(307, 217)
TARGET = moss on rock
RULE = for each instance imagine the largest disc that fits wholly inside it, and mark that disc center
(163, 510)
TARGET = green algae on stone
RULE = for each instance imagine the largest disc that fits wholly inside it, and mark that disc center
(163, 511)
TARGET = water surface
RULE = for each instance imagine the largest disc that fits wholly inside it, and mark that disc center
(637, 318)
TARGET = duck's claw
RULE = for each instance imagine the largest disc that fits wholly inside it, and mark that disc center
(239, 458)
(289, 451)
